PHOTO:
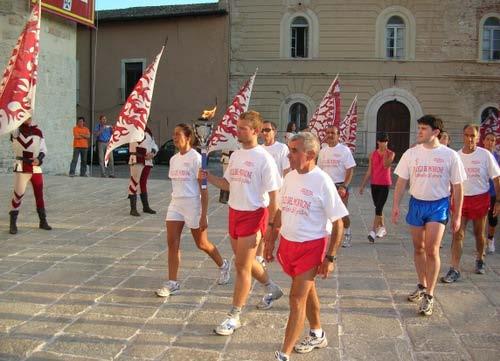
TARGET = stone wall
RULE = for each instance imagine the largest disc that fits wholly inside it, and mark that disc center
(55, 110)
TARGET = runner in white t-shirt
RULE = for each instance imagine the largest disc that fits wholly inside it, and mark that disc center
(489, 143)
(188, 206)
(480, 167)
(279, 152)
(430, 167)
(253, 181)
(337, 161)
(309, 205)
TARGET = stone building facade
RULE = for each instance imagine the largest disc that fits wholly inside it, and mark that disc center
(56, 90)
(403, 58)
(192, 73)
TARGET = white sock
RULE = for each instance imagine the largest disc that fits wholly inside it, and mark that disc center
(259, 259)
(347, 230)
(317, 332)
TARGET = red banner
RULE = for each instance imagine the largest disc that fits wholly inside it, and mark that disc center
(81, 11)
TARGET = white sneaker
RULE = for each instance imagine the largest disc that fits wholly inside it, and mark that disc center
(274, 292)
(225, 273)
(491, 246)
(310, 342)
(228, 326)
(347, 240)
(371, 236)
(168, 288)
(261, 260)
(381, 232)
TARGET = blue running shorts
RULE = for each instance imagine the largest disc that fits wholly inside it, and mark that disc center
(422, 212)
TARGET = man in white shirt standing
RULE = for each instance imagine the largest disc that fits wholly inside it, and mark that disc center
(278, 151)
(308, 203)
(430, 167)
(480, 167)
(337, 161)
(253, 182)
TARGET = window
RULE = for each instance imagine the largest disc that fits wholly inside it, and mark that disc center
(395, 38)
(489, 112)
(298, 115)
(491, 39)
(299, 37)
(131, 72)
(395, 34)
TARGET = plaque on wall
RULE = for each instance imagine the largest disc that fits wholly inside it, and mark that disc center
(81, 11)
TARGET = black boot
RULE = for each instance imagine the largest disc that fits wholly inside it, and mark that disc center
(13, 221)
(133, 205)
(145, 204)
(43, 219)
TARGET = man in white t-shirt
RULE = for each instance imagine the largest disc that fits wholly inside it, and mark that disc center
(309, 205)
(337, 161)
(278, 151)
(430, 167)
(480, 167)
(253, 181)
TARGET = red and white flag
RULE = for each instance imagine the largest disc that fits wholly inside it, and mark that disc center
(224, 137)
(135, 112)
(349, 126)
(491, 125)
(18, 87)
(328, 112)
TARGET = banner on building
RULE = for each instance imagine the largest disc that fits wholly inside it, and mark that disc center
(81, 11)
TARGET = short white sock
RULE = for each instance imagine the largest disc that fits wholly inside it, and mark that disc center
(347, 230)
(317, 332)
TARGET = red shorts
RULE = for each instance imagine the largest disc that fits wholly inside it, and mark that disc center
(298, 257)
(246, 223)
(476, 207)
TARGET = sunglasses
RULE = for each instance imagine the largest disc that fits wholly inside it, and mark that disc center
(266, 130)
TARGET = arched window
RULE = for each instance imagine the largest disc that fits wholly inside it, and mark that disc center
(395, 38)
(299, 38)
(298, 115)
(489, 112)
(491, 39)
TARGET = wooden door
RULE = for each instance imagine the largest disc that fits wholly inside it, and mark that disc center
(394, 118)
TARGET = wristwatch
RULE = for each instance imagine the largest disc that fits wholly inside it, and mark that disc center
(331, 258)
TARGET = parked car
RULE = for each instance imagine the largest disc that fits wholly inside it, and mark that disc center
(166, 151)
(120, 154)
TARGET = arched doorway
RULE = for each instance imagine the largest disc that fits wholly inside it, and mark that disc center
(393, 118)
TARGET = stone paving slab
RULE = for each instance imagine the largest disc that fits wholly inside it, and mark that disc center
(85, 291)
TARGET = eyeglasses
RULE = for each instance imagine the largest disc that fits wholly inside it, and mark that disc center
(266, 130)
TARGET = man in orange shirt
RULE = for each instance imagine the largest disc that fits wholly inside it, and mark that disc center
(81, 135)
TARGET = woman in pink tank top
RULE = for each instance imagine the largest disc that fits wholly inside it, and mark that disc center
(379, 171)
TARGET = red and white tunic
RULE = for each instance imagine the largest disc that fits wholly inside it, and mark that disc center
(27, 143)
(140, 149)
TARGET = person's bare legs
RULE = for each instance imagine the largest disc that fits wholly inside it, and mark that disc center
(433, 235)
(302, 285)
(313, 309)
(419, 256)
(174, 231)
(457, 244)
(203, 244)
(244, 252)
(479, 226)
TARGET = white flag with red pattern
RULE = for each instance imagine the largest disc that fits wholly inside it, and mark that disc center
(224, 136)
(135, 112)
(328, 112)
(349, 126)
(18, 87)
(491, 125)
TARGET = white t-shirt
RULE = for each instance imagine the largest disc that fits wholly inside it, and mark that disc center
(279, 152)
(335, 161)
(480, 166)
(308, 203)
(251, 174)
(184, 174)
(431, 171)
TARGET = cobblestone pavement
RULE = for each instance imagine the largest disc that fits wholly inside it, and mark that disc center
(84, 291)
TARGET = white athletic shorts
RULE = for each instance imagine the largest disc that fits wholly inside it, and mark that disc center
(187, 210)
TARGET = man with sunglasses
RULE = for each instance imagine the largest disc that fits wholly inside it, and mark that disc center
(337, 161)
(278, 150)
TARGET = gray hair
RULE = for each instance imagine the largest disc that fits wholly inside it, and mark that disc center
(310, 141)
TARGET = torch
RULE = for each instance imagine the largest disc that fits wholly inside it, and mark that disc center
(202, 129)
